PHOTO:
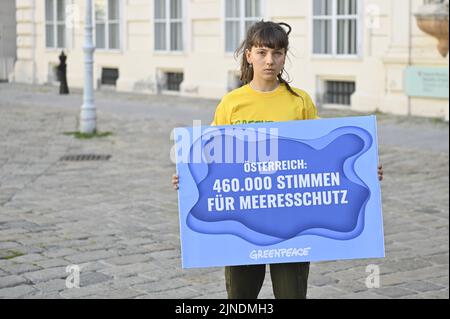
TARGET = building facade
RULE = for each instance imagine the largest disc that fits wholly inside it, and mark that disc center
(365, 55)
(7, 38)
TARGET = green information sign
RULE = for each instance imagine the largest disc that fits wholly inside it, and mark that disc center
(427, 82)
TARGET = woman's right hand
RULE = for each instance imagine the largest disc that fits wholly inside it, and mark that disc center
(175, 181)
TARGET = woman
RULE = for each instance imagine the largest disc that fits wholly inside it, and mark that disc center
(265, 97)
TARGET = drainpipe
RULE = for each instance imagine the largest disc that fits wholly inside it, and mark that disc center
(33, 42)
(409, 47)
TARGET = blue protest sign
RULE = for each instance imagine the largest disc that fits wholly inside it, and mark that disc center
(279, 192)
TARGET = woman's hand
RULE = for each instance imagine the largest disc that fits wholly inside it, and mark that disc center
(380, 172)
(175, 181)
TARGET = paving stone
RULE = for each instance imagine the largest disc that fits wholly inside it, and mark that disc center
(129, 259)
(439, 259)
(93, 266)
(90, 256)
(125, 293)
(46, 274)
(428, 273)
(59, 252)
(166, 254)
(217, 295)
(119, 283)
(422, 286)
(51, 263)
(118, 219)
(8, 245)
(18, 269)
(407, 264)
(441, 294)
(324, 292)
(367, 294)
(92, 278)
(159, 286)
(11, 281)
(130, 270)
(394, 292)
(320, 281)
(51, 286)
(85, 292)
(16, 292)
(178, 293)
(30, 258)
(441, 281)
(41, 295)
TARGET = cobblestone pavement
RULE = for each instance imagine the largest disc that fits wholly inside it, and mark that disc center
(118, 221)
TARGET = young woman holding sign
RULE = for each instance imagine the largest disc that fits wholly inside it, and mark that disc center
(265, 97)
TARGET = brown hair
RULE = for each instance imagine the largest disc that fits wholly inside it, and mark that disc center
(264, 34)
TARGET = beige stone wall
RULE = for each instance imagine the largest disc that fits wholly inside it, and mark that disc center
(378, 71)
(8, 47)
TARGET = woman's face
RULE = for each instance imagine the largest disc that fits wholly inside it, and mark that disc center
(267, 63)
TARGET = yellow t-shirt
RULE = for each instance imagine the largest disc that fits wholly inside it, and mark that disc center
(245, 105)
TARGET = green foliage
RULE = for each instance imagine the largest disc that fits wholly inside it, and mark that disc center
(84, 136)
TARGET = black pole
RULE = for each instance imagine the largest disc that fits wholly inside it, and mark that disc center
(62, 68)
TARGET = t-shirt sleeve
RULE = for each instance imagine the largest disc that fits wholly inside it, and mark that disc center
(310, 110)
(220, 116)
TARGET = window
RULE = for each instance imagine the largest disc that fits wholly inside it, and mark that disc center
(169, 80)
(239, 16)
(338, 92)
(168, 25)
(107, 24)
(335, 27)
(55, 24)
(174, 80)
(109, 76)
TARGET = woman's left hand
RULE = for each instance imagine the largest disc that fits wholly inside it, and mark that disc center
(380, 172)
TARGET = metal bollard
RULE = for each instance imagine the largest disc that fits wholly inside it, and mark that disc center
(62, 70)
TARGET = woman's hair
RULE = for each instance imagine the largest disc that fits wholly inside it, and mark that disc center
(264, 34)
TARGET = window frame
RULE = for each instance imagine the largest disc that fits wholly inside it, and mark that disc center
(167, 20)
(168, 84)
(337, 92)
(321, 90)
(106, 23)
(54, 22)
(334, 18)
(242, 19)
